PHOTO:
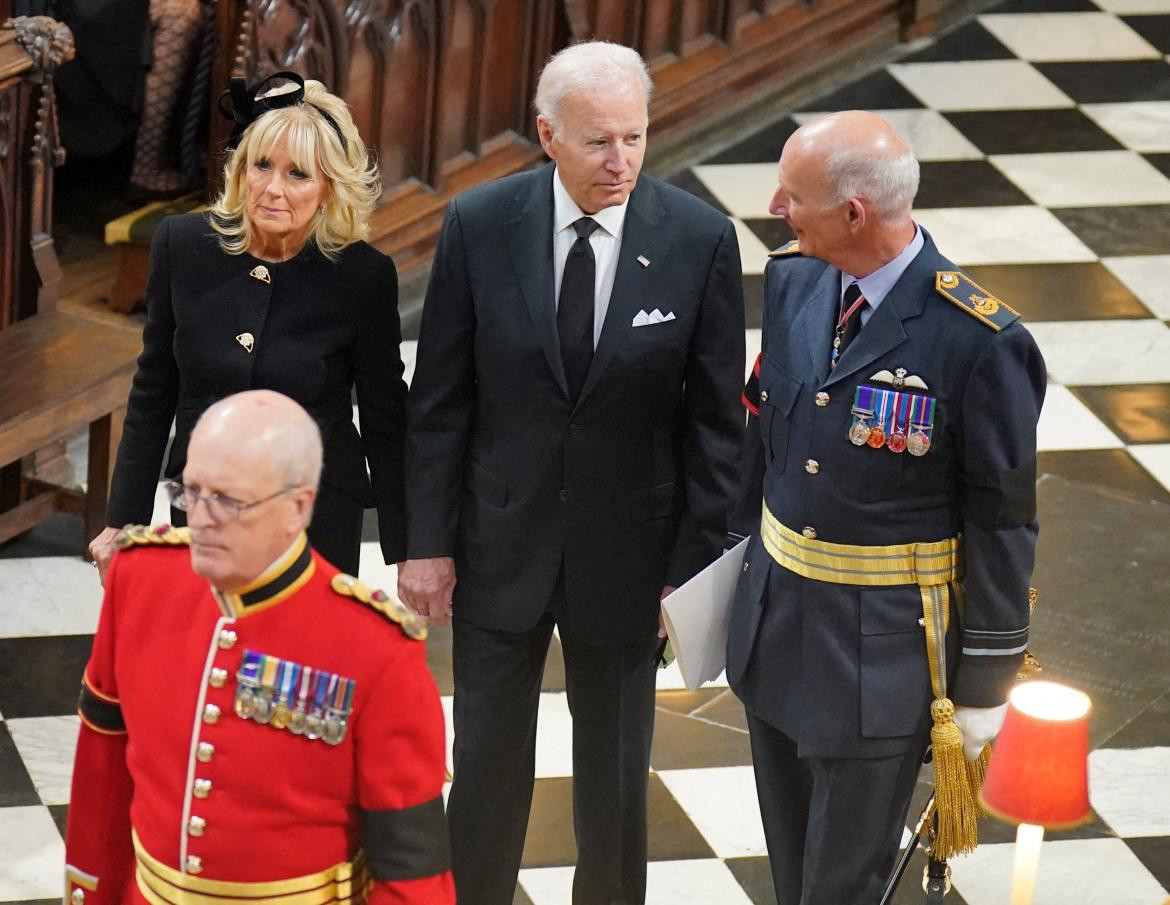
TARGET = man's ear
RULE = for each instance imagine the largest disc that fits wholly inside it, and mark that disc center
(857, 215)
(544, 130)
(303, 498)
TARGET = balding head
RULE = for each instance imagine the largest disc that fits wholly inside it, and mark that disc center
(847, 182)
(262, 452)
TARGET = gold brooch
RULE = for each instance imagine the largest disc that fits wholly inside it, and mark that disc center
(260, 272)
(247, 340)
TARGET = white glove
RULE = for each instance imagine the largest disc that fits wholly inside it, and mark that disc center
(978, 726)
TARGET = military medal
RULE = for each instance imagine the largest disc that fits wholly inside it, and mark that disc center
(863, 407)
(296, 722)
(282, 713)
(896, 442)
(877, 433)
(338, 718)
(918, 443)
(263, 706)
(248, 683)
(921, 425)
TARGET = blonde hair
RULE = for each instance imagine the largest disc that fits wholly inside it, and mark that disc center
(315, 148)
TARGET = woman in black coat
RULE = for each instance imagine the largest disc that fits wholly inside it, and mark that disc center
(275, 288)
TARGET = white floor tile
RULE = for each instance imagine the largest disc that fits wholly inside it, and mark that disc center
(667, 883)
(1047, 37)
(374, 572)
(1085, 178)
(1093, 353)
(1067, 423)
(930, 135)
(554, 735)
(1145, 276)
(32, 855)
(980, 85)
(1081, 871)
(1130, 789)
(1002, 235)
(1154, 458)
(670, 679)
(46, 745)
(1134, 7)
(1140, 126)
(753, 253)
(722, 803)
(744, 189)
(50, 595)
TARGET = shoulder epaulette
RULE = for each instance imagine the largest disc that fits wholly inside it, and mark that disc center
(790, 248)
(974, 299)
(412, 625)
(152, 535)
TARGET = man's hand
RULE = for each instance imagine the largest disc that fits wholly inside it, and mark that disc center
(426, 585)
(102, 549)
(978, 726)
(666, 592)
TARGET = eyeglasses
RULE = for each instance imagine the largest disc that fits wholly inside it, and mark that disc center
(220, 506)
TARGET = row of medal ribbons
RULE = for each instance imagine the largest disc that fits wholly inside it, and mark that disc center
(308, 702)
(897, 420)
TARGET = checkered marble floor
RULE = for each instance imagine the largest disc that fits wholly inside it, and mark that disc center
(1043, 127)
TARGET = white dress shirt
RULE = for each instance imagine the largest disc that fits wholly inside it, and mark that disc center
(877, 285)
(605, 241)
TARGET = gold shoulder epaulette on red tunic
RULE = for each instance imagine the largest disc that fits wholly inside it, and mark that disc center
(412, 625)
(974, 299)
(790, 248)
(152, 535)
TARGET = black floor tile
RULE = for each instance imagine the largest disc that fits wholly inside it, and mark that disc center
(1060, 292)
(1154, 28)
(1149, 729)
(1032, 131)
(755, 876)
(41, 676)
(521, 897)
(763, 146)
(1114, 231)
(1045, 6)
(753, 300)
(16, 786)
(689, 182)
(773, 232)
(1154, 853)
(965, 183)
(60, 813)
(726, 710)
(1110, 82)
(877, 91)
(1110, 469)
(1137, 413)
(1161, 161)
(688, 743)
(968, 42)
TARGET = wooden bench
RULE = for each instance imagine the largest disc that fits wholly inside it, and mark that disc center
(60, 372)
(131, 233)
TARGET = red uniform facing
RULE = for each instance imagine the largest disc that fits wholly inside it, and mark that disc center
(280, 741)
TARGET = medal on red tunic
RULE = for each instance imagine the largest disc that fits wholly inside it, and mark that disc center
(296, 722)
(315, 721)
(337, 718)
(247, 683)
(286, 681)
(263, 705)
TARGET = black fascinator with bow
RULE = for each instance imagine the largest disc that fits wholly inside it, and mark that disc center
(243, 104)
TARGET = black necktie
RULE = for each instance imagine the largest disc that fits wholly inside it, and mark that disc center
(848, 322)
(575, 308)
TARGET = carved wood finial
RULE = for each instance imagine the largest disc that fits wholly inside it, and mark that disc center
(47, 41)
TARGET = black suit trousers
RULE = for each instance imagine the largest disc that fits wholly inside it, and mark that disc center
(497, 693)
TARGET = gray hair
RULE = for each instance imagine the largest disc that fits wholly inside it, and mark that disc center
(888, 182)
(590, 65)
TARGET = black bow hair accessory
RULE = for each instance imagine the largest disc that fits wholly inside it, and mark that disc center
(245, 105)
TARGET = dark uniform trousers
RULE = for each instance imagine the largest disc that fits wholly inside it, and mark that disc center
(497, 693)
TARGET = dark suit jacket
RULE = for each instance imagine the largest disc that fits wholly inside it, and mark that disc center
(320, 328)
(629, 488)
(842, 669)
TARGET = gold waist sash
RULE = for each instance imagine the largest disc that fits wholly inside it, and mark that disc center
(345, 883)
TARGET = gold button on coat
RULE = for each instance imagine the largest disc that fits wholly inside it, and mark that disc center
(196, 826)
(205, 752)
(77, 897)
(227, 639)
(812, 466)
(202, 788)
(822, 399)
(218, 677)
(194, 864)
(810, 533)
(211, 714)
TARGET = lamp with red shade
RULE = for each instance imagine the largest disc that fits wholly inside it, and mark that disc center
(1038, 775)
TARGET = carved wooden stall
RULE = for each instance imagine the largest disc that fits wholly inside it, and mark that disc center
(31, 48)
(442, 88)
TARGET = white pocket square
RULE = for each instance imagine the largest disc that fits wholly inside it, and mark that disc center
(642, 319)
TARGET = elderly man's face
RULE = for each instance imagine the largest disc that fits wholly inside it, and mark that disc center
(600, 146)
(802, 198)
(232, 551)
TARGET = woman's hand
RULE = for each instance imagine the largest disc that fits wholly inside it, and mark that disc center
(102, 548)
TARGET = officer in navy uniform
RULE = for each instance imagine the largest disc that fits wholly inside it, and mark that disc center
(896, 405)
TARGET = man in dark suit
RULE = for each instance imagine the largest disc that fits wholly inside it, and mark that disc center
(895, 408)
(573, 430)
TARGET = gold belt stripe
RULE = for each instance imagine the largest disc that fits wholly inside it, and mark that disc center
(346, 883)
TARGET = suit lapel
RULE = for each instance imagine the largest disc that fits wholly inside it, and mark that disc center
(633, 284)
(812, 329)
(529, 239)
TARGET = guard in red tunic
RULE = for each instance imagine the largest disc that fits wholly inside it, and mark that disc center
(255, 724)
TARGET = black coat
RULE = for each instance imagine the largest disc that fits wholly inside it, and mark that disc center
(320, 328)
(629, 488)
(842, 669)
